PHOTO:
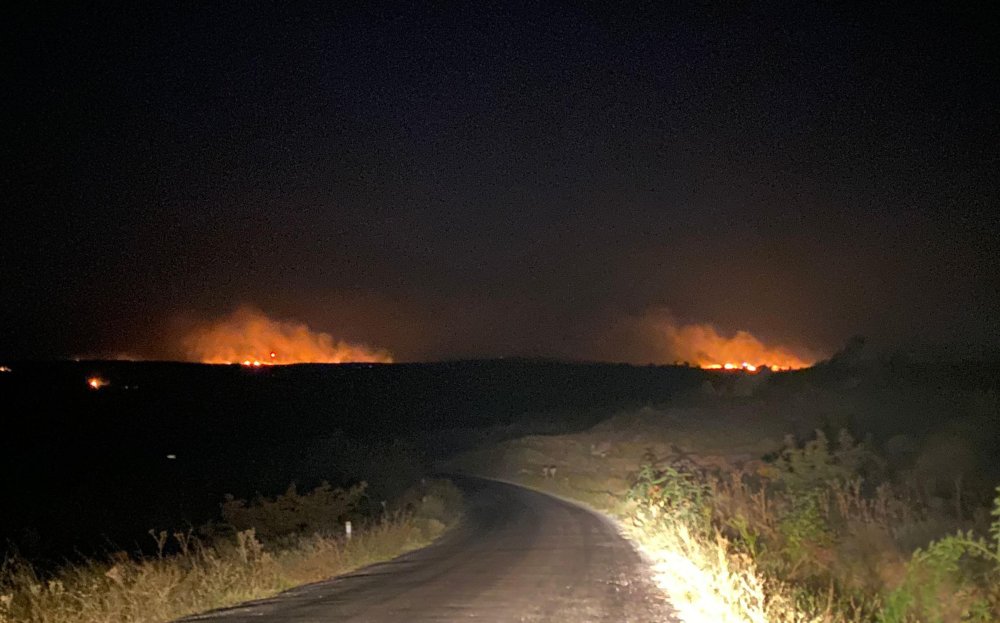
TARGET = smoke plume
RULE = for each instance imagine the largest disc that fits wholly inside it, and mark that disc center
(655, 336)
(249, 336)
(703, 345)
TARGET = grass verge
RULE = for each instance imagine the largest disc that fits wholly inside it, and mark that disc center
(204, 573)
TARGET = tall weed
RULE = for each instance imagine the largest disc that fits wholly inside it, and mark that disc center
(799, 531)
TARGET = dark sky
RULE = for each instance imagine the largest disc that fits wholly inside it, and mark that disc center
(474, 180)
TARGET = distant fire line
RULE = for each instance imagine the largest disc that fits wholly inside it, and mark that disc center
(746, 367)
(256, 363)
(704, 346)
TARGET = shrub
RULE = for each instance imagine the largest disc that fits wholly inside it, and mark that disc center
(817, 464)
(435, 505)
(804, 527)
(955, 577)
(669, 493)
(323, 510)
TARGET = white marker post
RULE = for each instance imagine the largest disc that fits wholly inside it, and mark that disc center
(347, 530)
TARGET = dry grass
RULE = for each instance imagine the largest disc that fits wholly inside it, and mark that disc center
(204, 576)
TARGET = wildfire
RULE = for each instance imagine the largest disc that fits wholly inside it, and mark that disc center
(256, 363)
(96, 382)
(745, 367)
(250, 338)
(703, 346)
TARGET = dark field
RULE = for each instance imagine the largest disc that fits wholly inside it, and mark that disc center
(87, 471)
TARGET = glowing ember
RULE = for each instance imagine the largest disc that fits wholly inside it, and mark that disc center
(4, 369)
(96, 382)
(250, 338)
(703, 346)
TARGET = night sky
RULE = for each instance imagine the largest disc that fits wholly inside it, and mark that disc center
(476, 180)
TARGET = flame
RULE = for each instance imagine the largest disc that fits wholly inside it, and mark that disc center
(250, 338)
(703, 346)
(96, 382)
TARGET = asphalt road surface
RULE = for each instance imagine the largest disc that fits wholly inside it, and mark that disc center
(517, 555)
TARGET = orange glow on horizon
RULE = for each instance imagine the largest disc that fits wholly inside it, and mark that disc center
(251, 339)
(703, 346)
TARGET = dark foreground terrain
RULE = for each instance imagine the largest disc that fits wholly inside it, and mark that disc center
(517, 555)
(88, 471)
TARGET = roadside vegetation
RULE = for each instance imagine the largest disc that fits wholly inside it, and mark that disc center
(259, 548)
(753, 505)
(810, 539)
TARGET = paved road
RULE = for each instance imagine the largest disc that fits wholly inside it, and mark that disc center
(518, 555)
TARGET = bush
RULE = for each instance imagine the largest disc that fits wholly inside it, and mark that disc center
(440, 505)
(817, 464)
(955, 577)
(441, 501)
(669, 493)
(323, 510)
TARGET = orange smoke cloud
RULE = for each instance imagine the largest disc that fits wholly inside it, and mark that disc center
(251, 338)
(702, 345)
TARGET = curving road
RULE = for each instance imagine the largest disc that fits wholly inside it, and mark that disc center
(517, 555)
